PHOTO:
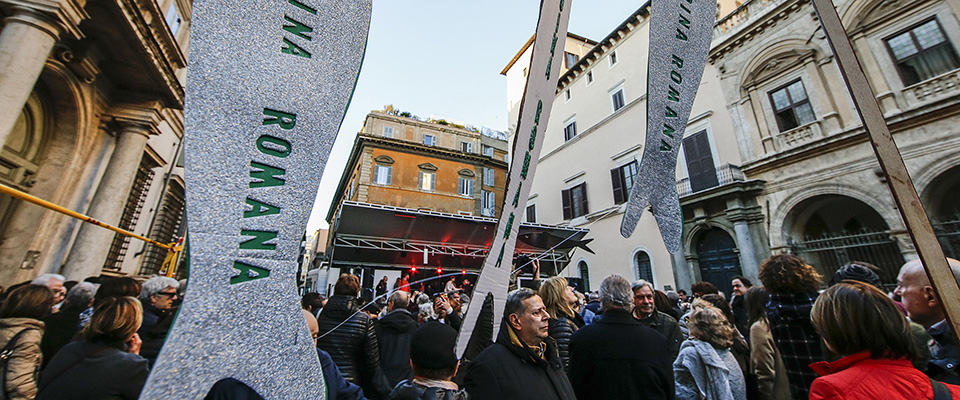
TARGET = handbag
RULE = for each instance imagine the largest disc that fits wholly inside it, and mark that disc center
(5, 355)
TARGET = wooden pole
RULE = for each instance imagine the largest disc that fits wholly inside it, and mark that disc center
(901, 185)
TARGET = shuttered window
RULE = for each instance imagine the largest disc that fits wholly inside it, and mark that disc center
(574, 201)
(623, 178)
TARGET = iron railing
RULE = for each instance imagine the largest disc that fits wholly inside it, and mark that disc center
(724, 174)
(831, 251)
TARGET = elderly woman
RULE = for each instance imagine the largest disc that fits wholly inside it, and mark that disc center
(705, 368)
(21, 331)
(862, 324)
(105, 365)
(559, 299)
(157, 296)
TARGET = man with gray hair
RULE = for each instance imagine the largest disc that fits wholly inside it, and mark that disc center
(157, 296)
(616, 357)
(396, 331)
(524, 362)
(61, 327)
(646, 313)
(924, 307)
(54, 282)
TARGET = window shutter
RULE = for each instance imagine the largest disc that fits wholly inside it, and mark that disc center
(616, 176)
(376, 173)
(389, 174)
(567, 204)
(460, 186)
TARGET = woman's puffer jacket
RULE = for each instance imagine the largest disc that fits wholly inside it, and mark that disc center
(561, 329)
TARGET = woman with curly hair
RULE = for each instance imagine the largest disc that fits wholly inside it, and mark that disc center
(706, 369)
(792, 285)
(862, 324)
(558, 298)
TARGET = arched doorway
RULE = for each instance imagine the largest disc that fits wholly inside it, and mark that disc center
(644, 267)
(718, 259)
(829, 231)
(940, 201)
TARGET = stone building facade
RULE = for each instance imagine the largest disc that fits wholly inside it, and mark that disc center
(774, 157)
(825, 197)
(91, 99)
(404, 162)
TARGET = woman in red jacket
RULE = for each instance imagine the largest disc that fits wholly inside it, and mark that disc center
(861, 323)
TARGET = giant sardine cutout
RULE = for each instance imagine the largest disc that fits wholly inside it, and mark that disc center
(267, 89)
(680, 34)
(535, 108)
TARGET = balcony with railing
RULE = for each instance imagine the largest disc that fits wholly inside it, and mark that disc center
(721, 176)
(743, 13)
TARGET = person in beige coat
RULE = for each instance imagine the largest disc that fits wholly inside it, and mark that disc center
(765, 361)
(21, 312)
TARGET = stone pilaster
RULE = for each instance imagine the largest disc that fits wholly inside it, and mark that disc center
(29, 34)
(90, 249)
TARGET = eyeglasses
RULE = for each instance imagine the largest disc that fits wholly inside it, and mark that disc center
(170, 294)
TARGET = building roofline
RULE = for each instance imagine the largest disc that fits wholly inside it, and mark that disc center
(597, 50)
(530, 43)
(363, 138)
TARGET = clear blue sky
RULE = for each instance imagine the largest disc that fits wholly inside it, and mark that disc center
(443, 58)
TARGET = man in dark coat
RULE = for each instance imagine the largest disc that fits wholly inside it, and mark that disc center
(158, 296)
(524, 362)
(61, 327)
(397, 329)
(618, 358)
(352, 345)
(646, 313)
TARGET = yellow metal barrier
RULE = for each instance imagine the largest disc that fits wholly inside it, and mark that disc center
(173, 248)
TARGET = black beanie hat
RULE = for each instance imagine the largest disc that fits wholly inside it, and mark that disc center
(856, 272)
(433, 346)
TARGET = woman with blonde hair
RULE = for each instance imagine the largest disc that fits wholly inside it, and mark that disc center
(859, 322)
(705, 368)
(107, 363)
(559, 298)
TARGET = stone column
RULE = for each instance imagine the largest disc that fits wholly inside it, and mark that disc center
(25, 43)
(748, 255)
(90, 249)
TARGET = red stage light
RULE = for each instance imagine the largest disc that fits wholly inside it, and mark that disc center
(439, 270)
(463, 272)
(413, 270)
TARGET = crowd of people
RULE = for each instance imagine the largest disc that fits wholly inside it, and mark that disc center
(95, 339)
(789, 337)
(792, 336)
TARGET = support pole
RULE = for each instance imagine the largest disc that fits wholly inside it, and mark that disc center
(901, 185)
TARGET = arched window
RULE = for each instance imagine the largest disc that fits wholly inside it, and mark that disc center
(644, 266)
(584, 274)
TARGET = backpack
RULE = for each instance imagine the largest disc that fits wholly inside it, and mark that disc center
(5, 354)
(940, 391)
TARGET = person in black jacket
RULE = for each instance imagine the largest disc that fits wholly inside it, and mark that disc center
(523, 363)
(618, 358)
(558, 297)
(61, 327)
(397, 329)
(434, 359)
(157, 296)
(353, 345)
(105, 365)
(647, 314)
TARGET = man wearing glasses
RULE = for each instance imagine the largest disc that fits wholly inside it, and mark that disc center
(157, 296)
